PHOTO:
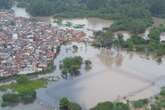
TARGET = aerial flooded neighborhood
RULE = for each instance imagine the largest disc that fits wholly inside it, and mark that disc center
(82, 55)
(28, 46)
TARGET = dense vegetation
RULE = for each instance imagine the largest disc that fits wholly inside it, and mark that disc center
(103, 8)
(157, 8)
(71, 65)
(23, 91)
(154, 103)
(111, 106)
(88, 65)
(140, 103)
(65, 104)
(23, 84)
(151, 45)
(15, 98)
(131, 15)
(5, 4)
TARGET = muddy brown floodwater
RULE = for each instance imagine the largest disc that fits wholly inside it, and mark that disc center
(114, 75)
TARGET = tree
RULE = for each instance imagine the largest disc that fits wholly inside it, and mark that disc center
(88, 64)
(111, 106)
(5, 4)
(40, 8)
(104, 106)
(121, 106)
(140, 103)
(71, 65)
(155, 34)
(74, 106)
(65, 104)
(155, 107)
(11, 98)
(157, 7)
(28, 97)
(95, 4)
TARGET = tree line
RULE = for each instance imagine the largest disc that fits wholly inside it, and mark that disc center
(106, 8)
(5, 4)
(158, 103)
(130, 15)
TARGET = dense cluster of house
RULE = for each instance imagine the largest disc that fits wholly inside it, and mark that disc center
(27, 46)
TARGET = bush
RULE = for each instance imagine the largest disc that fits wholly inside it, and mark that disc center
(65, 104)
(155, 107)
(111, 106)
(104, 106)
(140, 103)
(13, 98)
(121, 106)
(88, 64)
(162, 92)
(74, 106)
(10, 98)
(28, 97)
(4, 104)
(71, 65)
(161, 102)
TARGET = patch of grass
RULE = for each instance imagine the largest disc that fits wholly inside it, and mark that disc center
(24, 91)
(31, 85)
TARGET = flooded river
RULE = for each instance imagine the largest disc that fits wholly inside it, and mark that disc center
(94, 24)
(114, 75)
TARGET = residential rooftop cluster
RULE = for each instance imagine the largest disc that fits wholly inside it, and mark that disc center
(27, 46)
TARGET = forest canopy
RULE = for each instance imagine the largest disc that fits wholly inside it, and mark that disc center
(5, 4)
(104, 8)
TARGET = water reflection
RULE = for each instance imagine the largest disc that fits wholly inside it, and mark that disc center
(109, 57)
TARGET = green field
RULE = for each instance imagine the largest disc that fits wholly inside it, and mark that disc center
(31, 85)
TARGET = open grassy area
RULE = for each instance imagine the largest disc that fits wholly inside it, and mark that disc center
(23, 91)
(31, 85)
